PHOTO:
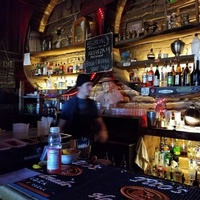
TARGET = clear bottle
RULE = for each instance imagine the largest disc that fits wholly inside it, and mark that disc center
(54, 151)
(144, 77)
(195, 45)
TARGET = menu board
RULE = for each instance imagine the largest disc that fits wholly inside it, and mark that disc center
(98, 53)
(7, 74)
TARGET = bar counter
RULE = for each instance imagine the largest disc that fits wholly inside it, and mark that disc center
(83, 181)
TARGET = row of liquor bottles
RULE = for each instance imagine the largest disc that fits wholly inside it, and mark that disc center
(170, 74)
(56, 68)
(171, 159)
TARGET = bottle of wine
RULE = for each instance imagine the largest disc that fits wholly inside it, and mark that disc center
(177, 81)
(173, 75)
(196, 74)
(170, 77)
(156, 77)
(186, 76)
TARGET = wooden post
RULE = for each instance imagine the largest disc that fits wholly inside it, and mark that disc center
(197, 10)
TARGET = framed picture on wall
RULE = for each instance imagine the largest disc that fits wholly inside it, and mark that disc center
(134, 26)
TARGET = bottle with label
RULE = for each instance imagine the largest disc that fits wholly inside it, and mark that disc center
(150, 77)
(183, 149)
(170, 77)
(54, 151)
(186, 76)
(144, 77)
(173, 75)
(196, 75)
(177, 150)
(177, 81)
(156, 77)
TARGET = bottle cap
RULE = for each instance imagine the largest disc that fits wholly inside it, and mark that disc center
(55, 129)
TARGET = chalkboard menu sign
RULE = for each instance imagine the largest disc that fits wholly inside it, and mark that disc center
(7, 74)
(98, 53)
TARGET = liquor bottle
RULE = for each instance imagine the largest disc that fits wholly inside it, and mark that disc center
(54, 151)
(170, 77)
(183, 149)
(177, 150)
(106, 156)
(173, 75)
(144, 77)
(191, 172)
(182, 72)
(186, 76)
(168, 158)
(177, 81)
(166, 171)
(196, 182)
(113, 161)
(123, 162)
(171, 146)
(161, 77)
(150, 77)
(192, 74)
(196, 75)
(156, 156)
(156, 77)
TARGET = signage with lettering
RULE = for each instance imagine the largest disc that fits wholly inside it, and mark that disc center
(7, 74)
(98, 53)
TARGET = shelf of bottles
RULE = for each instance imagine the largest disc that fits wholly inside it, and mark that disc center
(56, 74)
(176, 160)
(169, 77)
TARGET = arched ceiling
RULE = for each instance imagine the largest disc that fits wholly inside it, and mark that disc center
(43, 9)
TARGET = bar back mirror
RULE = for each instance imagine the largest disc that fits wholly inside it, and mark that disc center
(79, 30)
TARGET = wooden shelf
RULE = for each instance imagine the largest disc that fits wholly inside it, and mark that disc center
(163, 132)
(141, 64)
(64, 50)
(163, 35)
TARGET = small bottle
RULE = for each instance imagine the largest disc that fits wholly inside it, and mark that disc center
(54, 151)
